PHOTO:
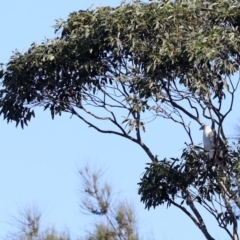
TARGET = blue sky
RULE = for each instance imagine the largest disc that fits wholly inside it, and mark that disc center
(39, 164)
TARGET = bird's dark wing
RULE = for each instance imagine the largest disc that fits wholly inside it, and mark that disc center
(217, 144)
(213, 139)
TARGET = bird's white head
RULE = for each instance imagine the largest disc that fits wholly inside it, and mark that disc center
(206, 128)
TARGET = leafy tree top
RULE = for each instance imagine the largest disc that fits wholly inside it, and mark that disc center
(194, 44)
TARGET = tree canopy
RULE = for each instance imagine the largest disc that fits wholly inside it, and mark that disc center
(131, 64)
(146, 51)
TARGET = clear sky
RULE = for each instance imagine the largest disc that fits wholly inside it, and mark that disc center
(39, 164)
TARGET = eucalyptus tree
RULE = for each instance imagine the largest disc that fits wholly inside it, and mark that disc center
(144, 61)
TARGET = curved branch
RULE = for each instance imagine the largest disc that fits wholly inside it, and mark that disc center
(199, 224)
(139, 142)
(175, 105)
(210, 210)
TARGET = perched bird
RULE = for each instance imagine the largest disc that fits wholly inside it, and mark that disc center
(213, 143)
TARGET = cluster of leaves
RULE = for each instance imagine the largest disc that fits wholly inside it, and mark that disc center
(196, 43)
(164, 180)
(194, 178)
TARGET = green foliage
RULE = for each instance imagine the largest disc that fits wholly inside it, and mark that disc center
(193, 178)
(195, 43)
(117, 220)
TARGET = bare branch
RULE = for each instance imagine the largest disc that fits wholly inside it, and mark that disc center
(201, 224)
(145, 148)
(185, 211)
(174, 104)
(233, 218)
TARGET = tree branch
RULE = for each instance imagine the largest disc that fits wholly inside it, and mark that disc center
(201, 224)
(174, 104)
(139, 142)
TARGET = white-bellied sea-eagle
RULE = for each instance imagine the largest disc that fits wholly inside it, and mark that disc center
(213, 144)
